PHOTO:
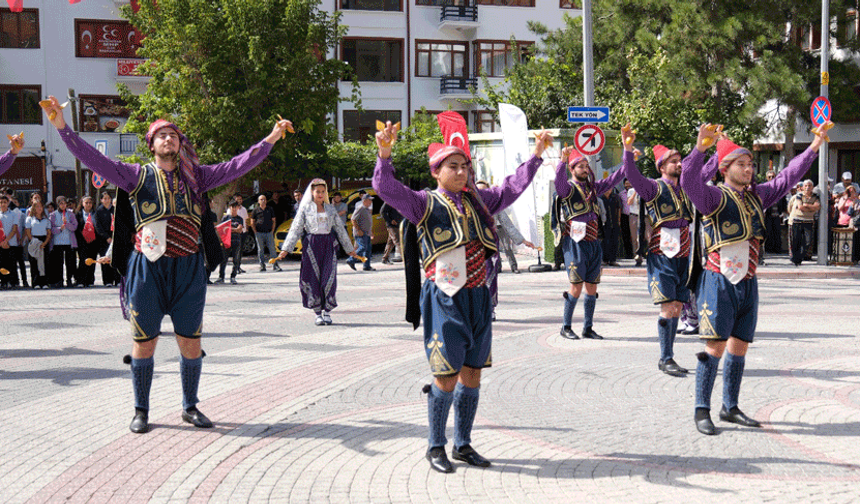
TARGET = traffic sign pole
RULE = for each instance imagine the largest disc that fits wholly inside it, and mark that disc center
(823, 228)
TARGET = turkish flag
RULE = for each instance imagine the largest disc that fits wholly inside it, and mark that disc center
(74, 1)
(454, 130)
(16, 5)
(223, 230)
(2, 234)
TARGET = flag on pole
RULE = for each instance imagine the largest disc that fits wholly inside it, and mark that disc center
(224, 232)
(16, 5)
(515, 139)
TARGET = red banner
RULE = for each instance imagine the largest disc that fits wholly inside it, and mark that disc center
(127, 67)
(16, 5)
(105, 39)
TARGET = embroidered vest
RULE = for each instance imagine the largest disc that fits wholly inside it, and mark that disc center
(564, 209)
(152, 201)
(738, 218)
(667, 205)
(443, 228)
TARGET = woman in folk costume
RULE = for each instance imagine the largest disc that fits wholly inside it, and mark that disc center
(727, 294)
(456, 234)
(318, 277)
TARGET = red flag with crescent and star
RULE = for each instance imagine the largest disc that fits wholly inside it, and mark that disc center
(224, 232)
(454, 130)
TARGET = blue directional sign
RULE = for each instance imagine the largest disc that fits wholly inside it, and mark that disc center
(821, 111)
(588, 114)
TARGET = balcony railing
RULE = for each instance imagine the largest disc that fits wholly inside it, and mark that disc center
(459, 13)
(457, 85)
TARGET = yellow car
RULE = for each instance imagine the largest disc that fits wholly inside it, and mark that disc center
(380, 234)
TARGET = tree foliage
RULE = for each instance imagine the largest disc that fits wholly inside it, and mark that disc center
(667, 66)
(223, 70)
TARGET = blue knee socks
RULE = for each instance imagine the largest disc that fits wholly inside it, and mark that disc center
(569, 306)
(141, 379)
(733, 371)
(189, 371)
(438, 405)
(465, 407)
(706, 374)
(664, 333)
(588, 313)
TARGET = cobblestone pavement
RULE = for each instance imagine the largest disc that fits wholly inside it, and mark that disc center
(336, 413)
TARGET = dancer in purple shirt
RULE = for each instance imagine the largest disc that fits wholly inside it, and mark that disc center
(733, 228)
(16, 143)
(165, 273)
(576, 207)
(456, 234)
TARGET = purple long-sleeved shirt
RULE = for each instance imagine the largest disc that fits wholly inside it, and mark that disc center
(6, 161)
(126, 175)
(647, 188)
(412, 204)
(707, 198)
(563, 186)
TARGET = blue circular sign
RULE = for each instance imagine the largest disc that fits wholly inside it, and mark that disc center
(821, 111)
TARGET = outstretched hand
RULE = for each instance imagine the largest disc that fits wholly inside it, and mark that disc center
(820, 133)
(708, 136)
(54, 111)
(628, 136)
(565, 152)
(16, 142)
(543, 141)
(282, 126)
(386, 137)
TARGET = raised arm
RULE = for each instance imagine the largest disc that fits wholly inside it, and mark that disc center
(503, 196)
(411, 204)
(645, 187)
(123, 175)
(602, 185)
(770, 192)
(216, 175)
(295, 233)
(6, 161)
(705, 198)
(562, 177)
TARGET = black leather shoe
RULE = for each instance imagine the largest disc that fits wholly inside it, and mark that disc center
(351, 265)
(514, 269)
(439, 460)
(704, 423)
(590, 334)
(735, 415)
(196, 418)
(670, 367)
(276, 267)
(567, 332)
(140, 422)
(468, 455)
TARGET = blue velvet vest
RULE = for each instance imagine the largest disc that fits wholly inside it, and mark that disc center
(668, 206)
(575, 204)
(152, 200)
(738, 218)
(444, 228)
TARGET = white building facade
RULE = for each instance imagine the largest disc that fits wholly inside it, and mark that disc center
(407, 54)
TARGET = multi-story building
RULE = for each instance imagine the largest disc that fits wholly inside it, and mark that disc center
(414, 54)
(407, 54)
(50, 48)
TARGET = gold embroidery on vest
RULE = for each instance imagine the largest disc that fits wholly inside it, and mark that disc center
(441, 235)
(730, 228)
(148, 207)
(665, 208)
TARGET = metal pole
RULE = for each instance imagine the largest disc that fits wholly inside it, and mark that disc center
(79, 186)
(587, 64)
(823, 155)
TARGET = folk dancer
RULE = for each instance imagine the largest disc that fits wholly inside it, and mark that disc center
(165, 273)
(668, 260)
(317, 218)
(456, 235)
(727, 293)
(576, 231)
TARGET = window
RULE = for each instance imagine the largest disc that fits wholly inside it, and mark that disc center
(507, 3)
(19, 30)
(441, 58)
(20, 104)
(485, 122)
(807, 37)
(438, 3)
(374, 60)
(102, 113)
(494, 57)
(568, 4)
(95, 38)
(847, 28)
(375, 5)
(358, 127)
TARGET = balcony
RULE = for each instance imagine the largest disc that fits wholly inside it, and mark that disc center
(453, 88)
(461, 19)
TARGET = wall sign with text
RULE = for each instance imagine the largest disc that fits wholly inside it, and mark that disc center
(99, 38)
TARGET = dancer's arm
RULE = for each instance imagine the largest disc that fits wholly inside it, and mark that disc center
(770, 192)
(705, 198)
(411, 204)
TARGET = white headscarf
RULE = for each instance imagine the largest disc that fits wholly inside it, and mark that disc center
(308, 196)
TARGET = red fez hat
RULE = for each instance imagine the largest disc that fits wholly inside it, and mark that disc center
(728, 151)
(662, 153)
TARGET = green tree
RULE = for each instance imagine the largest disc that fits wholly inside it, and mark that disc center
(224, 69)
